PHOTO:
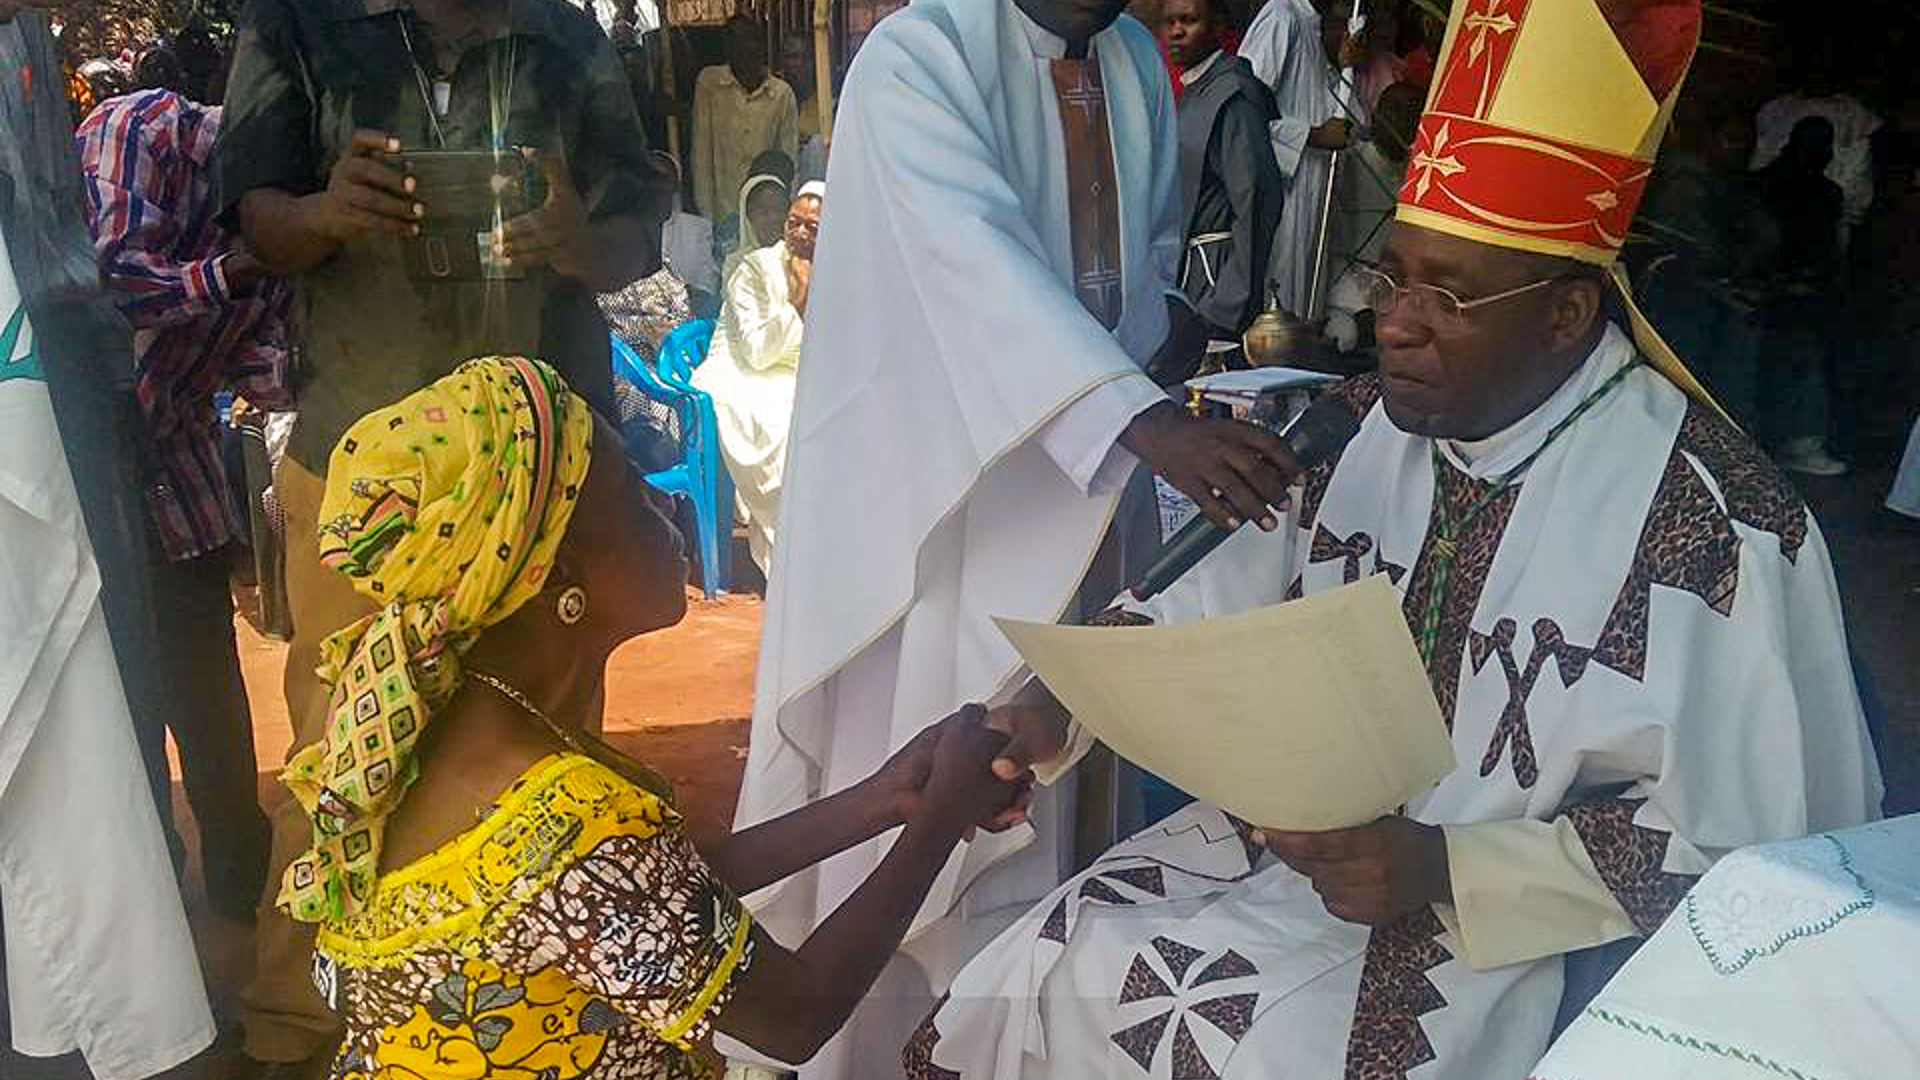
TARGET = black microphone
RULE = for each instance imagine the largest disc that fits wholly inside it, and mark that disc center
(1321, 432)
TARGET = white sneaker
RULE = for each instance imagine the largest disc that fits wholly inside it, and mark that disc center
(737, 1071)
(1809, 455)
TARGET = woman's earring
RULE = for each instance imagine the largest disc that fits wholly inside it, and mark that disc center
(573, 605)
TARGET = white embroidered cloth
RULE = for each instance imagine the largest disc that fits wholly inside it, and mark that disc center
(1788, 960)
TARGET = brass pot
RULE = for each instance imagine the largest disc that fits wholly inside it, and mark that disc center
(1276, 337)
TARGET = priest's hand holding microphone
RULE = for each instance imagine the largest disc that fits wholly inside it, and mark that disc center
(1235, 472)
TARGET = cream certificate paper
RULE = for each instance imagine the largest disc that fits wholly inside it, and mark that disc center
(1309, 715)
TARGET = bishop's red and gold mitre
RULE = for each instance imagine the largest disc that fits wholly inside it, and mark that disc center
(1542, 126)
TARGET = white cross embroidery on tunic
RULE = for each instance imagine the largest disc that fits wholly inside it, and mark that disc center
(1083, 95)
(1098, 282)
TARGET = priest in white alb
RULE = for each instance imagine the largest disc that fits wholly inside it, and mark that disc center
(1627, 616)
(1289, 53)
(991, 278)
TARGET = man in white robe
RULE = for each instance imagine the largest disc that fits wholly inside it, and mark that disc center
(1627, 615)
(991, 276)
(754, 362)
(98, 955)
(1627, 624)
(1284, 44)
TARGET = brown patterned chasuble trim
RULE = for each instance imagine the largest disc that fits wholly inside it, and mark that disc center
(1093, 200)
(1457, 491)
(1386, 1039)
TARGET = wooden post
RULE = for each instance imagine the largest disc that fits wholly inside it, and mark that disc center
(673, 90)
(823, 68)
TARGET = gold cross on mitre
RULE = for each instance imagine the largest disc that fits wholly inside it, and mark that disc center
(1491, 20)
(1426, 163)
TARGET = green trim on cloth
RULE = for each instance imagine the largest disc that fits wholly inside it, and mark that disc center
(1700, 1045)
(26, 366)
(1863, 900)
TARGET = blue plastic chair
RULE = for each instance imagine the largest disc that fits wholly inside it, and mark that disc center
(684, 350)
(701, 476)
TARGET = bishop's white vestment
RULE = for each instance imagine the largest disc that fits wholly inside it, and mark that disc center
(1643, 665)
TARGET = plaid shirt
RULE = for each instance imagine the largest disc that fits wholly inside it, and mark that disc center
(163, 254)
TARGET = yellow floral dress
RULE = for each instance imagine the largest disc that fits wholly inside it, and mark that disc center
(573, 933)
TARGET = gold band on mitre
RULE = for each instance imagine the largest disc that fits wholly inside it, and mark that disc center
(1646, 337)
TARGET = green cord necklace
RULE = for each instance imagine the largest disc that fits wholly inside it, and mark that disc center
(1448, 530)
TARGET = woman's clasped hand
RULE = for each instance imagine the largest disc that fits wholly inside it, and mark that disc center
(947, 770)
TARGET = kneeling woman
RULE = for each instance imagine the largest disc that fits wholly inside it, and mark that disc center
(499, 892)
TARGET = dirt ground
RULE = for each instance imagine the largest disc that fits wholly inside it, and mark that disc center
(678, 699)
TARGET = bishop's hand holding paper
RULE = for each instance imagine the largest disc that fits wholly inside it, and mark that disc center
(1371, 874)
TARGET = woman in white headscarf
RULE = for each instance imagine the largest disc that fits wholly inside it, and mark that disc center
(759, 224)
(755, 360)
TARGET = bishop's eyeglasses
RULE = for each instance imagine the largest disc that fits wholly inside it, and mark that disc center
(1441, 305)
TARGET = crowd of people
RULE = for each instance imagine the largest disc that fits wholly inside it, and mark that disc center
(1770, 207)
(1045, 218)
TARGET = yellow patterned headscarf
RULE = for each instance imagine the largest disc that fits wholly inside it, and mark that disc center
(446, 509)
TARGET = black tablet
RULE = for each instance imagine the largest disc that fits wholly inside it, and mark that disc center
(467, 193)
